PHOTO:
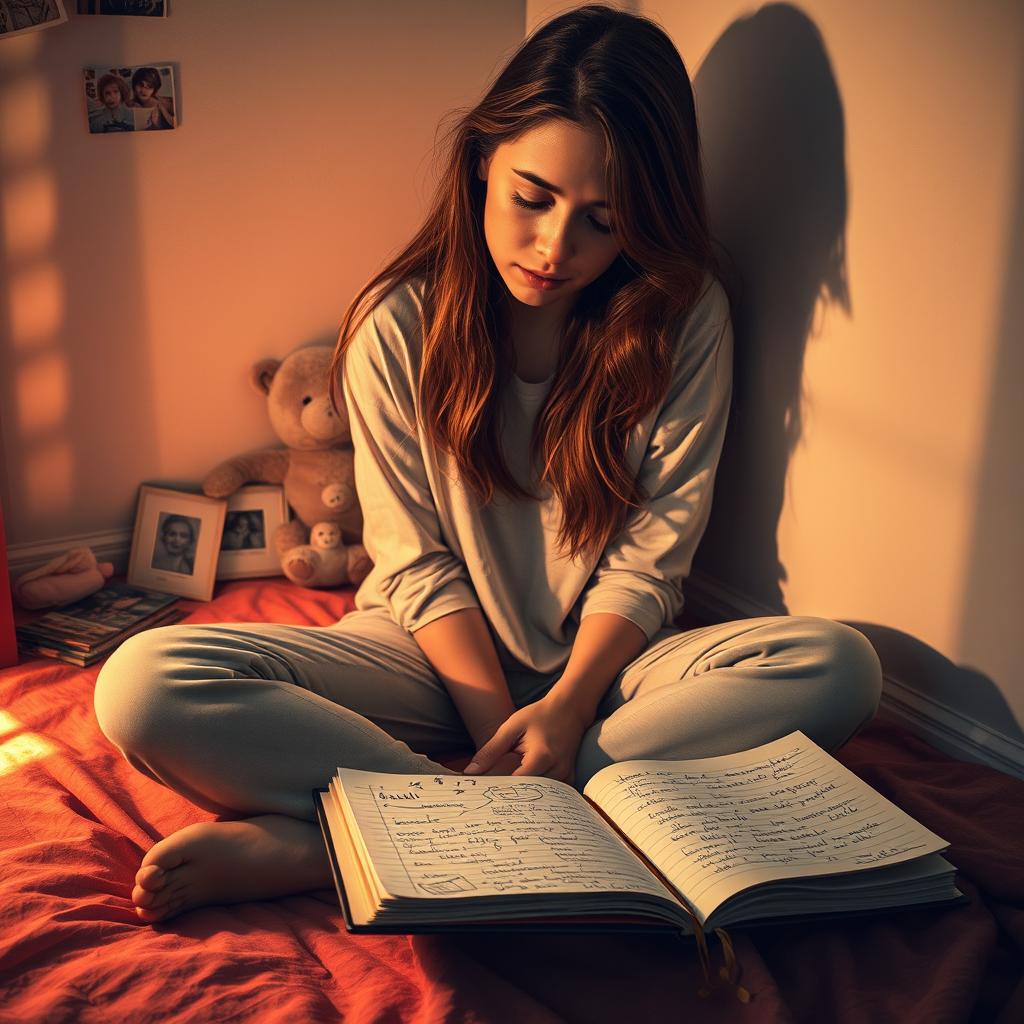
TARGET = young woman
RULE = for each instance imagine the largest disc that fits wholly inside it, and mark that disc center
(538, 389)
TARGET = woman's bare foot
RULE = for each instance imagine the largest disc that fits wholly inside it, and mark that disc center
(230, 862)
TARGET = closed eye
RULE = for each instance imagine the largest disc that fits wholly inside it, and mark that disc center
(605, 229)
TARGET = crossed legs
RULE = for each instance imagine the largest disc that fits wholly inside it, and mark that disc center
(246, 720)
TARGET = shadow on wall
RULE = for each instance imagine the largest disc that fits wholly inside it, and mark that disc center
(72, 298)
(916, 667)
(990, 627)
(773, 135)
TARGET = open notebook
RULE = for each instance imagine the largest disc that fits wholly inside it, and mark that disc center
(773, 834)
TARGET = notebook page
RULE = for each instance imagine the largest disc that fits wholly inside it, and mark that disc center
(449, 836)
(719, 825)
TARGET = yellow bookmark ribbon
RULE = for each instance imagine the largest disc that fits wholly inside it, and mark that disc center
(728, 973)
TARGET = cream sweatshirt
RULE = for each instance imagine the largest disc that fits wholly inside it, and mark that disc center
(436, 551)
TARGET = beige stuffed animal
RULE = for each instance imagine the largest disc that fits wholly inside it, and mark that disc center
(316, 469)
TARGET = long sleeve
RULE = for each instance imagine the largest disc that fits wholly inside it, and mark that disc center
(640, 573)
(415, 574)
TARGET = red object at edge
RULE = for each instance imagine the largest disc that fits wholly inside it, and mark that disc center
(8, 642)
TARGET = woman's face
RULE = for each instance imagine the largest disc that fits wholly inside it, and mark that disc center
(565, 230)
(143, 91)
(177, 537)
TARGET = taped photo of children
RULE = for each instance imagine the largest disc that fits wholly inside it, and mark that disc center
(130, 99)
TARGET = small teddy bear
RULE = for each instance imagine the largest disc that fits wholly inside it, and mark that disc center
(325, 555)
(321, 546)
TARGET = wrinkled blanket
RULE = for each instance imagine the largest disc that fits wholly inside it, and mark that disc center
(77, 819)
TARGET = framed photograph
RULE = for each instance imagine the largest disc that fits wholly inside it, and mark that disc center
(247, 544)
(176, 542)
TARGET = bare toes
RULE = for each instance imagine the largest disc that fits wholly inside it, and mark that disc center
(167, 909)
(150, 916)
(163, 857)
(154, 899)
(151, 877)
(159, 906)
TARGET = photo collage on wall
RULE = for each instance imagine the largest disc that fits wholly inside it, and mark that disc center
(133, 99)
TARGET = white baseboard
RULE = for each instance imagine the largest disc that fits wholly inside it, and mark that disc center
(946, 728)
(950, 730)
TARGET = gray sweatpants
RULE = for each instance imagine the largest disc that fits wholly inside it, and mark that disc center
(247, 719)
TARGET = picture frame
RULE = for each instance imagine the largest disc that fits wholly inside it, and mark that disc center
(176, 541)
(247, 544)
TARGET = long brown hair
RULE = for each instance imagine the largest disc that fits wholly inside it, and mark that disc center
(620, 75)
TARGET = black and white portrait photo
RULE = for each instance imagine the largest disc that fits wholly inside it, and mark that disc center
(175, 547)
(243, 530)
(254, 514)
(176, 542)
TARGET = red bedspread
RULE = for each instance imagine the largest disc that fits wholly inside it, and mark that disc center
(76, 820)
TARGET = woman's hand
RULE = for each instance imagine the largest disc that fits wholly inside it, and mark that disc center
(504, 765)
(545, 734)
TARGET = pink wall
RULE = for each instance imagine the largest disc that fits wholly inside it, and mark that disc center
(142, 275)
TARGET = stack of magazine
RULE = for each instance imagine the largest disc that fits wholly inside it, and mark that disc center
(88, 630)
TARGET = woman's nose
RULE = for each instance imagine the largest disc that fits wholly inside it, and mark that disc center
(555, 242)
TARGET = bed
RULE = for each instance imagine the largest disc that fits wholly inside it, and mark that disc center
(77, 819)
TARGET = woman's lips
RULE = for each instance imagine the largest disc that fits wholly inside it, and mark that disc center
(543, 283)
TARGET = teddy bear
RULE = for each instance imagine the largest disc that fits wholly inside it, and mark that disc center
(322, 545)
(325, 553)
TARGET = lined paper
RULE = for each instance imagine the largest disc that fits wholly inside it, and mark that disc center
(719, 825)
(451, 836)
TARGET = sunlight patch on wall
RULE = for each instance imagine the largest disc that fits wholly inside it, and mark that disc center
(29, 214)
(21, 750)
(25, 120)
(38, 386)
(37, 306)
(48, 477)
(41, 393)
